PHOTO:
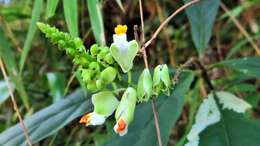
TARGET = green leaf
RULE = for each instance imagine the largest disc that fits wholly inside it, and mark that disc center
(4, 92)
(49, 120)
(235, 131)
(202, 16)
(36, 12)
(71, 16)
(57, 85)
(96, 21)
(247, 65)
(168, 108)
(51, 8)
(10, 63)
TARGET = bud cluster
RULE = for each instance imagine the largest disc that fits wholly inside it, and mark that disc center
(97, 66)
(148, 86)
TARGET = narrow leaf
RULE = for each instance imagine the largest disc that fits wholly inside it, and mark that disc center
(71, 16)
(51, 8)
(36, 12)
(96, 21)
(10, 63)
(202, 16)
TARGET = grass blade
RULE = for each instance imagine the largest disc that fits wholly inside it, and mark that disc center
(71, 16)
(51, 8)
(32, 29)
(9, 60)
(96, 21)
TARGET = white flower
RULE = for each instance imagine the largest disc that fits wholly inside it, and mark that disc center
(120, 38)
(92, 119)
(231, 102)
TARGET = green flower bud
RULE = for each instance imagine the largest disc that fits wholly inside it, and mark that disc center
(94, 66)
(100, 84)
(109, 59)
(92, 86)
(125, 111)
(94, 50)
(87, 75)
(105, 104)
(109, 74)
(144, 86)
(161, 79)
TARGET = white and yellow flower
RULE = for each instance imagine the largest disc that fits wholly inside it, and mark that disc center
(105, 104)
(123, 51)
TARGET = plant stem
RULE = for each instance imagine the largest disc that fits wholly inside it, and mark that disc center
(156, 123)
(25, 131)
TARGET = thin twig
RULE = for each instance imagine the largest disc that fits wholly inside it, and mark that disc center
(156, 123)
(166, 21)
(142, 22)
(241, 28)
(25, 131)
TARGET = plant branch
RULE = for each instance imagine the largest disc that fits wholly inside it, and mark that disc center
(166, 21)
(241, 28)
(25, 131)
(155, 115)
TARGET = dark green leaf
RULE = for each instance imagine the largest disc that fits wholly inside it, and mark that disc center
(202, 16)
(37, 7)
(169, 109)
(236, 131)
(51, 8)
(96, 21)
(71, 16)
(247, 65)
(49, 120)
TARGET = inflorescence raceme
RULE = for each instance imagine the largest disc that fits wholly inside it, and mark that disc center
(101, 66)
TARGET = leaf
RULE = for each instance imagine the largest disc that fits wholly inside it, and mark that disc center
(96, 21)
(202, 16)
(232, 102)
(4, 92)
(51, 8)
(236, 130)
(36, 12)
(119, 3)
(247, 65)
(49, 120)
(57, 85)
(9, 60)
(71, 16)
(168, 108)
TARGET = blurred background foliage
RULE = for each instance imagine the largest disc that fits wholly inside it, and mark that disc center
(43, 78)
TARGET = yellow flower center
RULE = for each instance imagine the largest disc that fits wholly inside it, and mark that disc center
(120, 29)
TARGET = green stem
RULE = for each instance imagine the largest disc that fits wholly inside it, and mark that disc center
(129, 76)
